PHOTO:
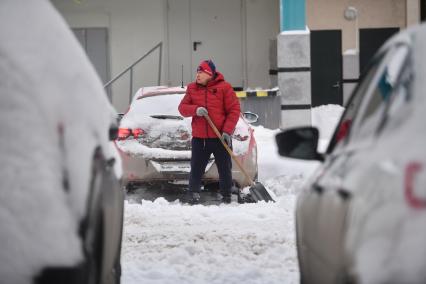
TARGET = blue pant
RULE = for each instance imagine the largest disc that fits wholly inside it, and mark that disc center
(201, 151)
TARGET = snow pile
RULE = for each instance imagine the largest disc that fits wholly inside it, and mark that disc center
(251, 243)
(173, 243)
(325, 118)
(275, 89)
(237, 243)
(270, 164)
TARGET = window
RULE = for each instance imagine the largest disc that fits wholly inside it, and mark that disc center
(366, 110)
(342, 131)
(399, 108)
(383, 89)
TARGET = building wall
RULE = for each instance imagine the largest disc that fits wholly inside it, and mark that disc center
(328, 14)
(413, 12)
(135, 26)
(263, 20)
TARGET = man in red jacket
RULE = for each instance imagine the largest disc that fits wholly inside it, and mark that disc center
(210, 94)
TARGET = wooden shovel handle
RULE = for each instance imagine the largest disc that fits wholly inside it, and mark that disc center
(207, 117)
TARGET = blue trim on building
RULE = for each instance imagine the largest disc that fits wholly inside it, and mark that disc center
(292, 15)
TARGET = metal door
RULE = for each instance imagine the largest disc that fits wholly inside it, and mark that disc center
(326, 67)
(95, 42)
(216, 33)
(370, 40)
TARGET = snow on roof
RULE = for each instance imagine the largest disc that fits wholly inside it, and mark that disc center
(350, 52)
(296, 32)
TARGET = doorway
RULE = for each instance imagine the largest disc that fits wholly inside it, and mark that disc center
(326, 67)
(205, 29)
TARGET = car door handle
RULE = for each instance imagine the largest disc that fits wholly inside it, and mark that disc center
(194, 45)
(344, 194)
(318, 189)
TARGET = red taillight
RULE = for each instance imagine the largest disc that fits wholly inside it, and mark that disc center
(138, 132)
(123, 133)
(343, 130)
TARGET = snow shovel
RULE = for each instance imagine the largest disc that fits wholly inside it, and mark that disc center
(257, 190)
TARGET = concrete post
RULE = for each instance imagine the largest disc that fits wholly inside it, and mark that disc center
(413, 12)
(294, 65)
(350, 73)
(273, 69)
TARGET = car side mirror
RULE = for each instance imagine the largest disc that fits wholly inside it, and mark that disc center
(250, 117)
(113, 132)
(299, 143)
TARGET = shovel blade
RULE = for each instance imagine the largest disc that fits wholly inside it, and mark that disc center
(258, 192)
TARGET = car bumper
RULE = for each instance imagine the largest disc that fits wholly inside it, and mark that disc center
(137, 169)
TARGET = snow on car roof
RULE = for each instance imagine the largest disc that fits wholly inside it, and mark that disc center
(159, 90)
(155, 104)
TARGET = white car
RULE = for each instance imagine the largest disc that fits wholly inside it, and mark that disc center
(362, 217)
(155, 141)
(61, 206)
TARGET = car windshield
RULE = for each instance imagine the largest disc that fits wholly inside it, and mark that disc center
(166, 104)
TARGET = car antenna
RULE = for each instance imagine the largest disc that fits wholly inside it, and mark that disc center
(182, 77)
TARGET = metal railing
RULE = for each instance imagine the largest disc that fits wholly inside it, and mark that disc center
(130, 68)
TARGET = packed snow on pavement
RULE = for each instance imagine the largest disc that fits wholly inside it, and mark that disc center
(167, 242)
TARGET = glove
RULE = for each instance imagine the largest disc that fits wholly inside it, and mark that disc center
(227, 138)
(202, 111)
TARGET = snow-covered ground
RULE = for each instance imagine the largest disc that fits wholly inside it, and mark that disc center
(252, 243)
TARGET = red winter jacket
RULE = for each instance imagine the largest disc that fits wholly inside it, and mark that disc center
(219, 99)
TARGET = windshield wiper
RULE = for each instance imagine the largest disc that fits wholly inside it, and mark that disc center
(164, 116)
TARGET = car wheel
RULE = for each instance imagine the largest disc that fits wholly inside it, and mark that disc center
(130, 187)
(213, 187)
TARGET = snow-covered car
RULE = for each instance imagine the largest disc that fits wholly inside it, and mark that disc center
(61, 205)
(361, 218)
(154, 141)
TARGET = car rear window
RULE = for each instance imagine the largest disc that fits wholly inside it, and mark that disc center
(157, 105)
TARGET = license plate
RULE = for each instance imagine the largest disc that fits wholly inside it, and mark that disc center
(175, 167)
(172, 167)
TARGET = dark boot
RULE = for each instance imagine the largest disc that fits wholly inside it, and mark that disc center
(192, 197)
(226, 199)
